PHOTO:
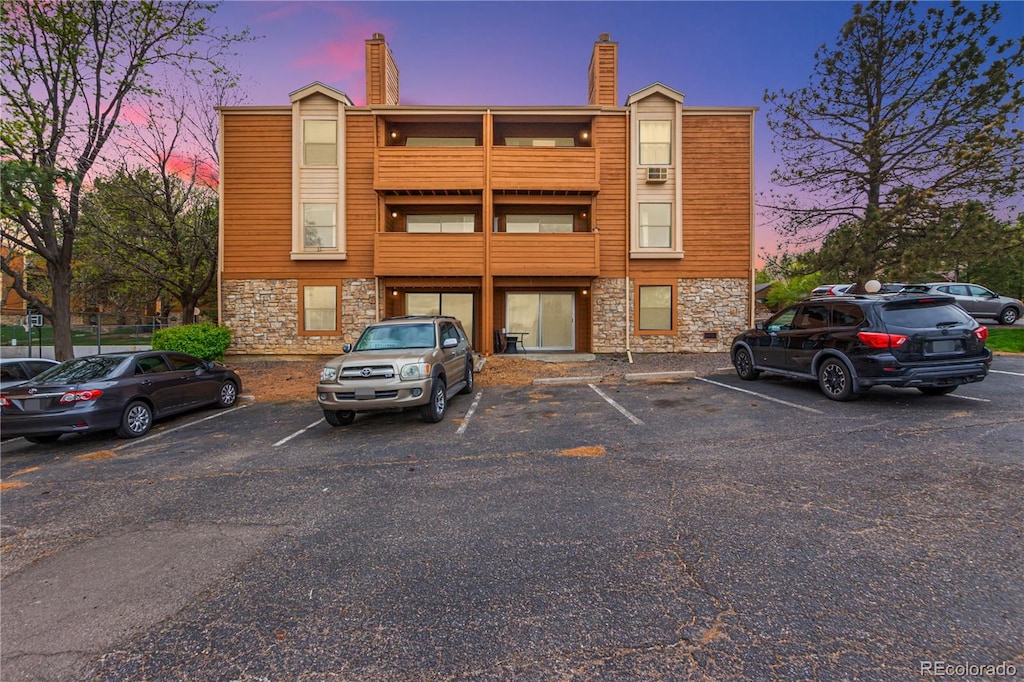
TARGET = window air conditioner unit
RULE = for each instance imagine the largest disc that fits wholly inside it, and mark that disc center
(657, 174)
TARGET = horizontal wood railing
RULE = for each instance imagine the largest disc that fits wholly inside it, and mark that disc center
(414, 254)
(428, 168)
(545, 168)
(561, 254)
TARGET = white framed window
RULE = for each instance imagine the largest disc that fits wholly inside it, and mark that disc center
(458, 223)
(319, 226)
(320, 308)
(655, 226)
(320, 142)
(655, 143)
(654, 308)
(539, 223)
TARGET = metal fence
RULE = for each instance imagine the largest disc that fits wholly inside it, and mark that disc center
(25, 333)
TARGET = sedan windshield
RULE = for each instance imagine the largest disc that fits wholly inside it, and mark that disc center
(397, 336)
(81, 369)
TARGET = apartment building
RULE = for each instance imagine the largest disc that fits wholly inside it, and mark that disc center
(600, 227)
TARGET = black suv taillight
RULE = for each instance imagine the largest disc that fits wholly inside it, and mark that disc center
(882, 340)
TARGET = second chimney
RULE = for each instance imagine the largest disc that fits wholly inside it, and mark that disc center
(381, 73)
(604, 72)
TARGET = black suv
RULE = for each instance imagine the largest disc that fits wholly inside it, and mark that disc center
(850, 343)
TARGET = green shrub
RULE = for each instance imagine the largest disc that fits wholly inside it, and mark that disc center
(204, 340)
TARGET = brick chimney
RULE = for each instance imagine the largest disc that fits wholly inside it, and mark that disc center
(604, 72)
(381, 72)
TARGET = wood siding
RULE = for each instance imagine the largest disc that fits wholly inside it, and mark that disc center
(611, 137)
(568, 254)
(256, 175)
(717, 162)
(405, 254)
(545, 168)
(428, 168)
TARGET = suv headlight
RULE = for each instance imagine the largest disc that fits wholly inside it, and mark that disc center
(415, 371)
(328, 374)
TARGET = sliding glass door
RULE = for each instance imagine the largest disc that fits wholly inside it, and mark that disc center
(543, 320)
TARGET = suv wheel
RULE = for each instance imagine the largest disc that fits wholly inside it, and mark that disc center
(468, 388)
(433, 411)
(835, 380)
(1008, 316)
(339, 417)
(745, 365)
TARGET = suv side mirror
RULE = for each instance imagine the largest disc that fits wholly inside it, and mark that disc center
(346, 348)
(449, 343)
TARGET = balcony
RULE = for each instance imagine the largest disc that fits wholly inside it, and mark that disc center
(435, 169)
(560, 169)
(422, 255)
(546, 255)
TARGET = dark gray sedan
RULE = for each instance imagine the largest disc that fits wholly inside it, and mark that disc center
(120, 391)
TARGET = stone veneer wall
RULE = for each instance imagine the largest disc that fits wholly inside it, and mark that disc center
(263, 316)
(702, 305)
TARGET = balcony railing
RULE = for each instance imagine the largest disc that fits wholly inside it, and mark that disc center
(565, 254)
(415, 254)
(545, 168)
(428, 168)
(398, 254)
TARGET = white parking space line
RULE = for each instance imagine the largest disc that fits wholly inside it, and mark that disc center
(618, 407)
(968, 397)
(298, 433)
(999, 371)
(164, 432)
(469, 414)
(760, 395)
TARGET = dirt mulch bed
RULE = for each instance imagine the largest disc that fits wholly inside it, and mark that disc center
(276, 379)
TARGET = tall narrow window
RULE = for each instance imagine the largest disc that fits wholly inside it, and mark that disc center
(655, 226)
(320, 143)
(655, 308)
(318, 226)
(655, 143)
(320, 308)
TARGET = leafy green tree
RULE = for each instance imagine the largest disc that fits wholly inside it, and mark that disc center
(159, 229)
(909, 115)
(70, 68)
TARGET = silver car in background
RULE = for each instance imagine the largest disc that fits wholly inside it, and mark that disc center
(975, 299)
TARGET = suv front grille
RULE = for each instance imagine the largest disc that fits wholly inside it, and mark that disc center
(377, 395)
(368, 372)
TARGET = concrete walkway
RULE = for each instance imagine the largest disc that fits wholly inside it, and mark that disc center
(47, 351)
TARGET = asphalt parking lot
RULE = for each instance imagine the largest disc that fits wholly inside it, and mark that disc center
(706, 529)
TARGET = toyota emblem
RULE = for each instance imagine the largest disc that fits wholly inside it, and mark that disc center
(365, 371)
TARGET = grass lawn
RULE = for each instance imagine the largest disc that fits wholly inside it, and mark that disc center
(1007, 339)
(85, 336)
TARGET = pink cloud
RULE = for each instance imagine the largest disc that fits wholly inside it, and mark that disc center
(134, 113)
(344, 56)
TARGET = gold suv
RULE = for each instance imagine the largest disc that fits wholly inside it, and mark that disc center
(412, 361)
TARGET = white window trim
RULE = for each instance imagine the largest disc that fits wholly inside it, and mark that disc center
(674, 189)
(298, 250)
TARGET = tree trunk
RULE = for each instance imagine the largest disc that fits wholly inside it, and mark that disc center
(60, 280)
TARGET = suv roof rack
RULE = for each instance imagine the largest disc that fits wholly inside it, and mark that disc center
(417, 317)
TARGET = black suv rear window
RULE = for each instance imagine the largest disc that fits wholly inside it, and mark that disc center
(924, 316)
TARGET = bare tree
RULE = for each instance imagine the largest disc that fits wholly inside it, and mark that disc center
(69, 67)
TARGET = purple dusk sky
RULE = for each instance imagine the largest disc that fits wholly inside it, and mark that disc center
(537, 53)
